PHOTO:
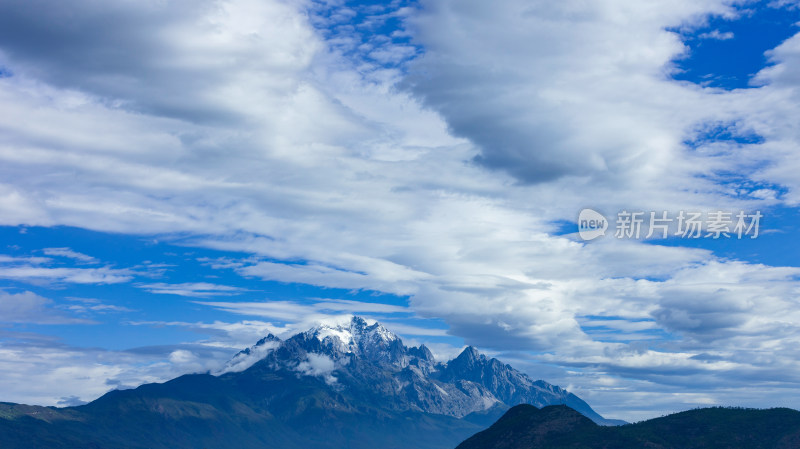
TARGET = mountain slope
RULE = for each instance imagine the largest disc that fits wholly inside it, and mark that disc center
(558, 426)
(349, 385)
(278, 410)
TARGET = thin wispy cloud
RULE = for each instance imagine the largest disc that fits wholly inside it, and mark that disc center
(68, 253)
(28, 307)
(716, 34)
(34, 274)
(192, 289)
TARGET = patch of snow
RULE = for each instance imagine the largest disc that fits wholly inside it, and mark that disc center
(347, 337)
(344, 335)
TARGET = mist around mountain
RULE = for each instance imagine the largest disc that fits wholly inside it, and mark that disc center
(559, 427)
(352, 385)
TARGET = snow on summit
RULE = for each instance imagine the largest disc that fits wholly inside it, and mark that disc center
(355, 335)
(352, 336)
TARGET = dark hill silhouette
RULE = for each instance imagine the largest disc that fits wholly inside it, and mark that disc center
(559, 427)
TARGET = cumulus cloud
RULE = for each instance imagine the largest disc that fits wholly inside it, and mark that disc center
(574, 100)
(319, 365)
(153, 53)
(571, 94)
(770, 114)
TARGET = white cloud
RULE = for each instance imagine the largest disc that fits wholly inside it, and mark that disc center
(318, 365)
(92, 305)
(34, 275)
(717, 35)
(6, 259)
(192, 289)
(68, 253)
(28, 307)
(571, 94)
(243, 360)
(227, 336)
(39, 370)
(382, 275)
(302, 316)
(182, 356)
(35, 270)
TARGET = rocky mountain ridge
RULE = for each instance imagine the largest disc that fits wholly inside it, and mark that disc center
(367, 356)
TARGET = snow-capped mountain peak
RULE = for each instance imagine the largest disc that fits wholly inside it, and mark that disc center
(364, 359)
(356, 336)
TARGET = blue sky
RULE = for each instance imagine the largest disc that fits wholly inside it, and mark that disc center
(178, 179)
